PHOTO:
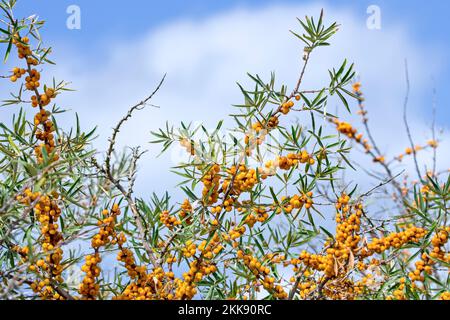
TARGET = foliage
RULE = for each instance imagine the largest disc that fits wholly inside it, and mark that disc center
(255, 221)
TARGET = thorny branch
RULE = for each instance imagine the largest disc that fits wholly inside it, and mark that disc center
(127, 193)
(405, 120)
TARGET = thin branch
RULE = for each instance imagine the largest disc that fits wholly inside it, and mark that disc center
(380, 185)
(133, 168)
(138, 106)
(405, 120)
(302, 73)
(433, 128)
(126, 193)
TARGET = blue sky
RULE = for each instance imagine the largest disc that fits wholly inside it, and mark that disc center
(103, 21)
(205, 46)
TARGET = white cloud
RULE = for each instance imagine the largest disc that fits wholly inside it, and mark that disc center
(204, 59)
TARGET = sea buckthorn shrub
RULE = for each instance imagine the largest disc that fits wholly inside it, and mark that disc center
(267, 212)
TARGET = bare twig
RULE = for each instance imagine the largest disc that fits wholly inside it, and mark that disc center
(300, 79)
(381, 184)
(405, 120)
(127, 193)
(112, 140)
(133, 168)
(433, 128)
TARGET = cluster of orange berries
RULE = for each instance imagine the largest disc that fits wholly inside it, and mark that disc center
(366, 282)
(185, 289)
(24, 50)
(347, 129)
(46, 209)
(258, 214)
(168, 220)
(186, 211)
(22, 46)
(44, 99)
(32, 83)
(261, 272)
(341, 289)
(348, 220)
(42, 287)
(17, 74)
(45, 290)
(210, 250)
(351, 132)
(46, 136)
(89, 288)
(273, 122)
(269, 284)
(211, 183)
(342, 203)
(22, 251)
(170, 259)
(445, 296)
(275, 258)
(240, 179)
(285, 163)
(227, 204)
(292, 159)
(155, 285)
(333, 265)
(126, 256)
(253, 264)
(47, 212)
(323, 263)
(49, 144)
(145, 286)
(257, 126)
(428, 260)
(438, 242)
(198, 268)
(296, 202)
(306, 287)
(347, 252)
(244, 180)
(286, 106)
(190, 249)
(32, 80)
(237, 232)
(134, 291)
(107, 227)
(395, 240)
(262, 128)
(399, 292)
